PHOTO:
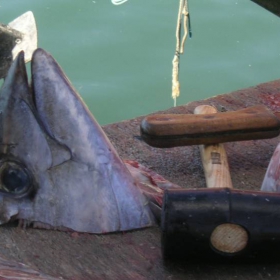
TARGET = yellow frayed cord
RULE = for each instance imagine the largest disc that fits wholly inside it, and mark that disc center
(183, 12)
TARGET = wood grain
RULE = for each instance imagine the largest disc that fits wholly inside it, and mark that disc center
(226, 238)
(18, 271)
(171, 130)
(214, 158)
(229, 238)
(252, 118)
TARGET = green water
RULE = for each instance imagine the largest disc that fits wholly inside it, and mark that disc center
(119, 57)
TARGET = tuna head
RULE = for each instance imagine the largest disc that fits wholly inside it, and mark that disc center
(57, 167)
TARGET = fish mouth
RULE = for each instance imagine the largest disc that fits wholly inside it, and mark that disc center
(57, 166)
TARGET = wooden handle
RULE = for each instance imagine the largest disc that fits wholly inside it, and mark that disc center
(166, 130)
(214, 158)
(226, 238)
(229, 238)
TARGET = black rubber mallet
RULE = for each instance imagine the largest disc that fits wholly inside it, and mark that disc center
(218, 222)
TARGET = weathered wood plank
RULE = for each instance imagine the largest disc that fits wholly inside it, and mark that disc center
(18, 271)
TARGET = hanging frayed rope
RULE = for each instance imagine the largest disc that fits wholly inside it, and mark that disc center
(183, 19)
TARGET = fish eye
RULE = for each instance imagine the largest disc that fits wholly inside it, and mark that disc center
(15, 179)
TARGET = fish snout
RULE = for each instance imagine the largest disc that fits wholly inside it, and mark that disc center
(8, 210)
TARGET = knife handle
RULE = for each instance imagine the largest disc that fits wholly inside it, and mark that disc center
(171, 130)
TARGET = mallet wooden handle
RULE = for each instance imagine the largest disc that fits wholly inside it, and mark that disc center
(170, 130)
(214, 158)
(226, 238)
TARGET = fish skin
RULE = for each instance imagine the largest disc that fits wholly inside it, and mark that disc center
(78, 180)
(271, 182)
